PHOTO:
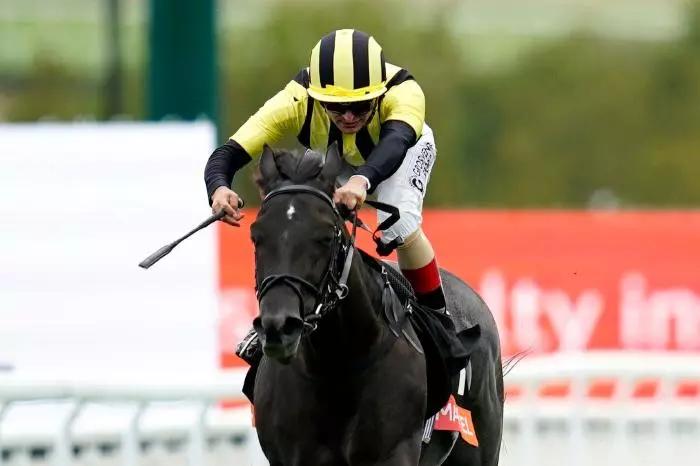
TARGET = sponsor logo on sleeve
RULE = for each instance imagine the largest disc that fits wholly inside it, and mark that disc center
(418, 176)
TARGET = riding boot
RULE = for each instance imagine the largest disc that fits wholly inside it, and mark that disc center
(434, 299)
(249, 349)
(418, 265)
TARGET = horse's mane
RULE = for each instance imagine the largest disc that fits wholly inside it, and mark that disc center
(293, 167)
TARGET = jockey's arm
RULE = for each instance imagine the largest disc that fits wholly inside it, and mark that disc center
(395, 138)
(223, 163)
(282, 115)
(404, 107)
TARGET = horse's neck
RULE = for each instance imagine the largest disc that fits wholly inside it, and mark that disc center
(360, 311)
(352, 330)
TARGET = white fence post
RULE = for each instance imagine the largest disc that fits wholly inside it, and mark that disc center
(664, 425)
(576, 426)
(197, 438)
(4, 406)
(130, 440)
(63, 455)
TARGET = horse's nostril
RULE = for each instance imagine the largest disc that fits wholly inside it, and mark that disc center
(278, 325)
(292, 325)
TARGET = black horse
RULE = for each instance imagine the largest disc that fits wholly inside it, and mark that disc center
(340, 384)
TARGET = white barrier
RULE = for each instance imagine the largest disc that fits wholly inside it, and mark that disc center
(574, 429)
(69, 278)
(580, 428)
(64, 417)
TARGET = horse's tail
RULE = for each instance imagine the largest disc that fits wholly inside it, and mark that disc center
(509, 364)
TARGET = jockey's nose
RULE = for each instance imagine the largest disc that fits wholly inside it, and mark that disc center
(349, 117)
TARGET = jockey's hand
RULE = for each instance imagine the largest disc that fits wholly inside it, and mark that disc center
(224, 198)
(352, 194)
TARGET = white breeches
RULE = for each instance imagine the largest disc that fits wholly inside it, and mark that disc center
(406, 188)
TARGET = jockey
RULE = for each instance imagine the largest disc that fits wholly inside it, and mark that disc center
(376, 113)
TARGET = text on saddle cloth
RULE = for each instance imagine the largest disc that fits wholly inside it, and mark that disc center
(457, 419)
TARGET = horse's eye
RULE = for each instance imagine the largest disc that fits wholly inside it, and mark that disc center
(324, 240)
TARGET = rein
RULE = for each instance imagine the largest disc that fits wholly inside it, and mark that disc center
(333, 286)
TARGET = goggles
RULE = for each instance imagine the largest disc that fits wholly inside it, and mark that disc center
(356, 108)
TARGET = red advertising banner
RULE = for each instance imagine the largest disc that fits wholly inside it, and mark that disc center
(554, 280)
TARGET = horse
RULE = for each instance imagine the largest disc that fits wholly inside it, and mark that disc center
(338, 385)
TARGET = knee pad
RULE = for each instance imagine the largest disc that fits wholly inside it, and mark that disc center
(407, 226)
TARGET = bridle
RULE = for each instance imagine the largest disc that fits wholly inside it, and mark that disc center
(333, 286)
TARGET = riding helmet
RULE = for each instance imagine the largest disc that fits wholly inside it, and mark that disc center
(347, 65)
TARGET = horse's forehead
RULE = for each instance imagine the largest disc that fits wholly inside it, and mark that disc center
(291, 210)
(288, 210)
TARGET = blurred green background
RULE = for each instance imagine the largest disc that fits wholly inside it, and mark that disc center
(544, 103)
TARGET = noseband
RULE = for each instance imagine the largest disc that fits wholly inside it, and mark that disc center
(333, 285)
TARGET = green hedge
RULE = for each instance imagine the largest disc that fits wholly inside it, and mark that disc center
(571, 117)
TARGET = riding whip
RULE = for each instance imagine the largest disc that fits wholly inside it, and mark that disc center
(165, 250)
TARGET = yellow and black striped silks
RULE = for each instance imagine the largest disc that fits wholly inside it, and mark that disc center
(293, 112)
(347, 66)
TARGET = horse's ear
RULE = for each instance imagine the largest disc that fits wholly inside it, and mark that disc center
(333, 164)
(268, 166)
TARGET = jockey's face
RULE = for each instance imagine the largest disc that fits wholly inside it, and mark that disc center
(350, 117)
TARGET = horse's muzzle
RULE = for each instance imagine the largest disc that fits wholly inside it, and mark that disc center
(279, 334)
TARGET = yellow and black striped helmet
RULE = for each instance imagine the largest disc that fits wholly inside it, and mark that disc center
(347, 66)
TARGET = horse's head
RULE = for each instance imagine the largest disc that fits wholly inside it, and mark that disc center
(299, 240)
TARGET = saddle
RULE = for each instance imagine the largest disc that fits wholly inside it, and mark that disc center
(446, 351)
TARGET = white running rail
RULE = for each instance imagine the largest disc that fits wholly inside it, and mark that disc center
(615, 424)
(62, 418)
(573, 428)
